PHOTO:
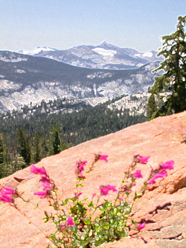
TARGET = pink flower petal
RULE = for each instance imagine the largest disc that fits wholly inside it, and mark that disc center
(137, 174)
(103, 157)
(44, 179)
(78, 194)
(141, 226)
(8, 190)
(47, 186)
(105, 189)
(62, 228)
(168, 165)
(43, 194)
(5, 198)
(40, 171)
(143, 160)
(160, 174)
(70, 222)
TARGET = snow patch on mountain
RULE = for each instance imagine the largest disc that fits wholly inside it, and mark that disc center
(37, 50)
(104, 52)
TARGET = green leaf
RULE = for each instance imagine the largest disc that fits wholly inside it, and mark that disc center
(37, 205)
(86, 221)
(91, 205)
(106, 225)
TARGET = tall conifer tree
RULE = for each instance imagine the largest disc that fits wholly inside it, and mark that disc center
(54, 141)
(172, 84)
(1, 157)
(24, 145)
(37, 148)
(151, 106)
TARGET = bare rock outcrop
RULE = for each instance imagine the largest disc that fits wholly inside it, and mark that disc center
(162, 207)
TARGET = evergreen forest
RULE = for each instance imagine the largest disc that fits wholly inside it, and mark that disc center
(26, 139)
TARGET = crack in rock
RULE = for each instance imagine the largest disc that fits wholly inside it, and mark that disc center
(159, 207)
(174, 236)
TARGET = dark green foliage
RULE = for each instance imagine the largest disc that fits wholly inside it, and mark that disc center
(36, 148)
(1, 157)
(151, 106)
(54, 141)
(172, 85)
(24, 145)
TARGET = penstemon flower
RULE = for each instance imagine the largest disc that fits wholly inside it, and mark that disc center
(5, 198)
(105, 189)
(141, 226)
(99, 156)
(43, 194)
(168, 165)
(70, 222)
(143, 160)
(40, 171)
(160, 174)
(137, 174)
(90, 223)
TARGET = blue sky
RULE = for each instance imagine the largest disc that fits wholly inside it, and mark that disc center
(138, 24)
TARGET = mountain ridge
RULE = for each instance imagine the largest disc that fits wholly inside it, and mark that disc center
(26, 78)
(90, 56)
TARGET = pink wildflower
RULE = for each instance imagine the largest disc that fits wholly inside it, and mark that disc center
(141, 226)
(137, 174)
(160, 174)
(40, 171)
(43, 194)
(105, 189)
(143, 160)
(5, 198)
(70, 222)
(93, 195)
(113, 188)
(83, 163)
(168, 165)
(62, 228)
(80, 168)
(44, 180)
(47, 186)
(78, 194)
(8, 190)
(120, 199)
(101, 157)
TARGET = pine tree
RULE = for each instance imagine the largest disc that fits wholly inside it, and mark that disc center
(151, 107)
(1, 157)
(18, 163)
(54, 141)
(24, 145)
(37, 148)
(170, 88)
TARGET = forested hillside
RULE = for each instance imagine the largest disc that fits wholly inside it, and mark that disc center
(41, 134)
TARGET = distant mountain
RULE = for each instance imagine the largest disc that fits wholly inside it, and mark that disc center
(38, 50)
(103, 56)
(25, 79)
